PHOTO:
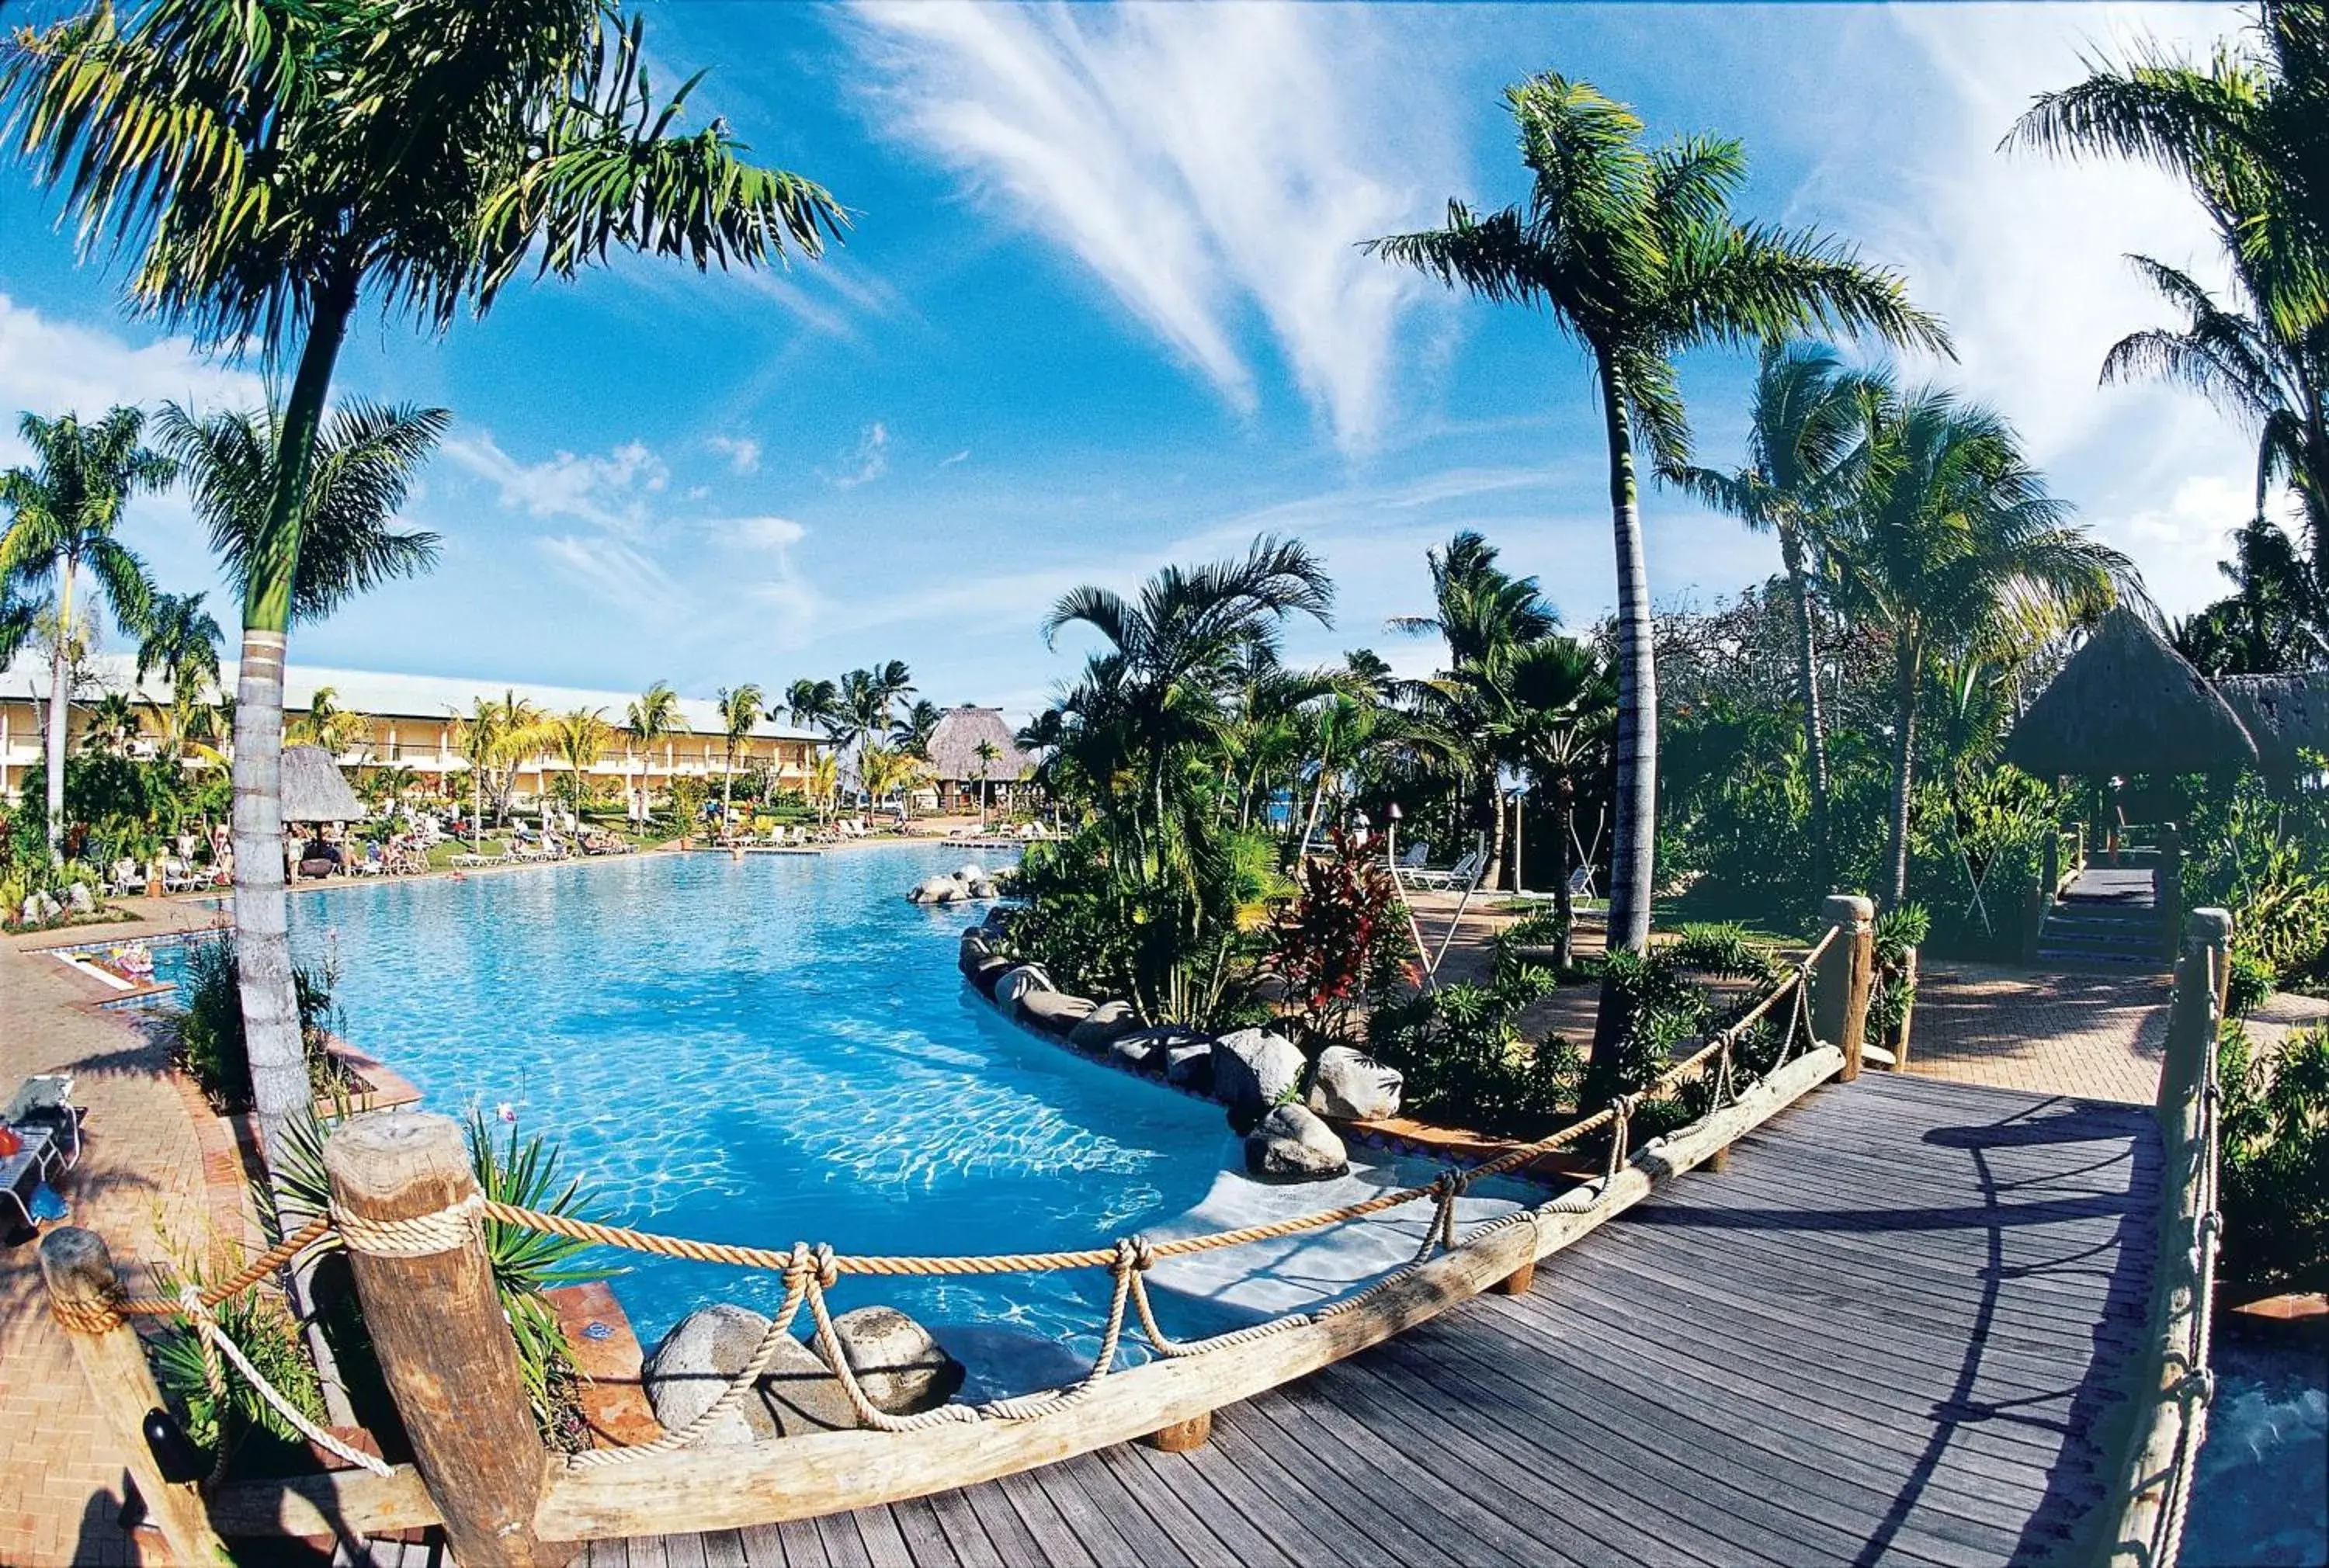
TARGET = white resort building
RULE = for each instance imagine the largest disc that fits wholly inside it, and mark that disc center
(413, 721)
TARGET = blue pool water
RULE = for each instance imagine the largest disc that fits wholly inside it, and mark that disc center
(766, 1050)
(2260, 1498)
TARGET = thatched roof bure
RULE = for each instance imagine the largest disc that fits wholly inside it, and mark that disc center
(954, 748)
(314, 790)
(2128, 703)
(2285, 716)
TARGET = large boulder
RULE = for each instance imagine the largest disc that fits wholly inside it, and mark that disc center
(1292, 1144)
(1350, 1085)
(1254, 1069)
(902, 1370)
(1190, 1066)
(703, 1354)
(1017, 982)
(1104, 1026)
(970, 871)
(989, 972)
(1146, 1048)
(937, 890)
(78, 897)
(1054, 1012)
(976, 950)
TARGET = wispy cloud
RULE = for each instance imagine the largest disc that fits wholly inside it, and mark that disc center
(50, 367)
(865, 461)
(619, 573)
(609, 491)
(743, 452)
(1203, 161)
(961, 456)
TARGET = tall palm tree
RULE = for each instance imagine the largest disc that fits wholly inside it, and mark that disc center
(1955, 547)
(739, 710)
(578, 739)
(495, 737)
(180, 640)
(332, 155)
(824, 782)
(912, 732)
(988, 754)
(1486, 616)
(1800, 429)
(62, 515)
(1634, 253)
(652, 716)
(813, 702)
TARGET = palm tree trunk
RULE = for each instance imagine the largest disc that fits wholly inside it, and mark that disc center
(1633, 854)
(1564, 906)
(59, 709)
(280, 1089)
(1492, 874)
(1904, 756)
(1791, 555)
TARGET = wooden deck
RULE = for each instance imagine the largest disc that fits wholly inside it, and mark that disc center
(1884, 1334)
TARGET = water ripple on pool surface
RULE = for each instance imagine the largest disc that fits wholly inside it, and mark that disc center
(766, 1051)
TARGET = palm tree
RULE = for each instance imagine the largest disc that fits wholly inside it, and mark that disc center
(2244, 133)
(912, 732)
(1561, 709)
(182, 640)
(652, 715)
(824, 782)
(1800, 429)
(815, 702)
(336, 729)
(113, 724)
(1953, 545)
(1486, 616)
(400, 154)
(867, 697)
(496, 735)
(1634, 252)
(988, 754)
(739, 710)
(63, 515)
(578, 739)
(882, 770)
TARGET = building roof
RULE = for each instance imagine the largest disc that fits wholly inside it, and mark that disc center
(314, 790)
(2285, 716)
(392, 696)
(954, 746)
(2128, 703)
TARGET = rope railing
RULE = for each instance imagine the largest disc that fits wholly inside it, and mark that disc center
(809, 1272)
(2195, 1390)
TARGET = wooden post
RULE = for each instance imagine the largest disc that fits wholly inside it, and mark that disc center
(82, 1288)
(1907, 1008)
(2167, 886)
(2196, 1013)
(1183, 1435)
(1719, 1161)
(445, 1349)
(1840, 981)
(1518, 1281)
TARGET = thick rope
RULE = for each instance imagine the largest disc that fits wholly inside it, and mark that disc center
(199, 1314)
(257, 1269)
(422, 1235)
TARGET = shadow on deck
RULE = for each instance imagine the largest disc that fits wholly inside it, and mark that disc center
(1884, 1334)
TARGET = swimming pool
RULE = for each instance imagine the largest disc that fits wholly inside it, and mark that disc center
(766, 1050)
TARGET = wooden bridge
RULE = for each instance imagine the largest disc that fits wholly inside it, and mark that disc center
(1891, 1331)
(1838, 1319)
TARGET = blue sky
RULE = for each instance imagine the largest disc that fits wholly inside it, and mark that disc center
(1102, 309)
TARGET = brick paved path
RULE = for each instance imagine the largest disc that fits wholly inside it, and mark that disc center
(153, 1162)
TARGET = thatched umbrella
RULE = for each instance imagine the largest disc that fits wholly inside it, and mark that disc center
(953, 747)
(2128, 703)
(2286, 714)
(313, 789)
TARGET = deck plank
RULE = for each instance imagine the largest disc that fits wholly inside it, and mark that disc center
(1886, 1332)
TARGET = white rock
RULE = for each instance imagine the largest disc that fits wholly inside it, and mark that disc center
(705, 1351)
(970, 871)
(1103, 1026)
(1017, 982)
(1352, 1086)
(1253, 1070)
(902, 1369)
(1292, 1143)
(936, 890)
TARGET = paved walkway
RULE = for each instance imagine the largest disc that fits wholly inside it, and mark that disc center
(155, 1159)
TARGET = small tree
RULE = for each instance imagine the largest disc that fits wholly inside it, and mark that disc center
(1332, 945)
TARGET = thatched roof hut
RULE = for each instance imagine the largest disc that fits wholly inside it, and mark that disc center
(954, 748)
(2128, 703)
(313, 789)
(2285, 716)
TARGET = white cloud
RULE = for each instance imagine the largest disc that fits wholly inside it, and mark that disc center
(761, 534)
(618, 573)
(1202, 160)
(867, 461)
(743, 452)
(609, 492)
(961, 456)
(52, 367)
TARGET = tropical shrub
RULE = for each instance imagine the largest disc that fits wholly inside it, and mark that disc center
(205, 1033)
(1466, 1062)
(523, 1170)
(2264, 860)
(1891, 993)
(2275, 1163)
(235, 1415)
(1343, 940)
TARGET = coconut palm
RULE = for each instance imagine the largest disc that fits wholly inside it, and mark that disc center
(1561, 711)
(824, 782)
(1800, 429)
(1955, 546)
(61, 517)
(496, 735)
(1633, 251)
(180, 640)
(911, 732)
(885, 770)
(815, 702)
(326, 723)
(578, 739)
(988, 754)
(867, 698)
(272, 177)
(113, 724)
(739, 711)
(652, 715)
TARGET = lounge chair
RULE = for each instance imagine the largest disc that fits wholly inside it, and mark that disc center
(43, 1106)
(128, 877)
(22, 1172)
(1460, 875)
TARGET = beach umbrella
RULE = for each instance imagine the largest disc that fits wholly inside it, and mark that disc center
(2128, 703)
(314, 790)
